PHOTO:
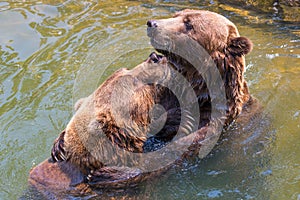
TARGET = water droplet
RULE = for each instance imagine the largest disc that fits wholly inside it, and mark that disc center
(215, 194)
(267, 172)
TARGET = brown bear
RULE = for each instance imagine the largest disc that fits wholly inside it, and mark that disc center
(118, 112)
(221, 40)
(177, 38)
(122, 122)
(122, 112)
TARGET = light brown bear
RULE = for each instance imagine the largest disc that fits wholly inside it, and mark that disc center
(221, 40)
(132, 126)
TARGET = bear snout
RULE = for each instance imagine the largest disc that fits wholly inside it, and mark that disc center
(152, 24)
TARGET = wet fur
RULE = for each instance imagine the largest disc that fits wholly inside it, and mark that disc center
(94, 120)
(224, 45)
(221, 39)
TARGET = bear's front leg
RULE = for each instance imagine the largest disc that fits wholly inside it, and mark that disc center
(101, 174)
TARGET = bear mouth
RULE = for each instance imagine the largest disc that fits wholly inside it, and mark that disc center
(156, 58)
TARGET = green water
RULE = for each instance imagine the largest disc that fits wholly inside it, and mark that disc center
(49, 49)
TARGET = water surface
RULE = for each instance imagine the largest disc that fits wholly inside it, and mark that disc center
(49, 49)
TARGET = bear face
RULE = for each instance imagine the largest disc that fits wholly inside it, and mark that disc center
(220, 39)
(212, 31)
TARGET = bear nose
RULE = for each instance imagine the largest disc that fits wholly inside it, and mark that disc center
(152, 23)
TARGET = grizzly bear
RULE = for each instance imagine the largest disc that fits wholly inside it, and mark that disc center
(118, 112)
(96, 115)
(143, 110)
(221, 40)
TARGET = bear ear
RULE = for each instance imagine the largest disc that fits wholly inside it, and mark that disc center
(240, 46)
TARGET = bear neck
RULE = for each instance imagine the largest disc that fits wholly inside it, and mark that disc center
(232, 72)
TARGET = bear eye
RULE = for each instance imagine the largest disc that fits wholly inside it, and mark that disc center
(188, 25)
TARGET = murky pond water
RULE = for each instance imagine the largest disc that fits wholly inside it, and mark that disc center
(49, 51)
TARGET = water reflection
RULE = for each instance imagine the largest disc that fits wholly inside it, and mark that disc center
(43, 44)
